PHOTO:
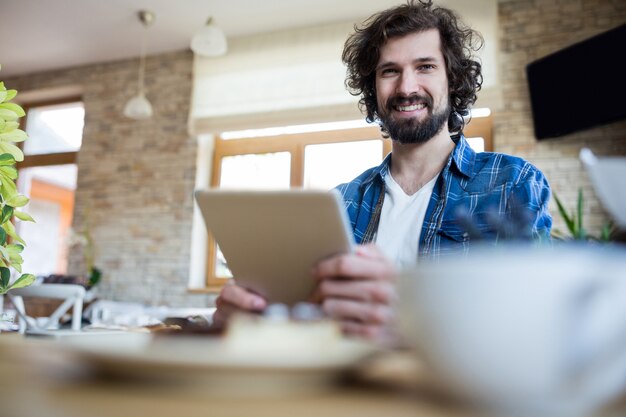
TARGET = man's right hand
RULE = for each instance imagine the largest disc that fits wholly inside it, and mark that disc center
(233, 299)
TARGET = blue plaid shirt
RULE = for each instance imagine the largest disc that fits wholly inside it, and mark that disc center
(484, 186)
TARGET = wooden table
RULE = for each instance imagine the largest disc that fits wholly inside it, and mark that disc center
(35, 380)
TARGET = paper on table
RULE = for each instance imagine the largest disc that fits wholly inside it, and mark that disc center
(607, 176)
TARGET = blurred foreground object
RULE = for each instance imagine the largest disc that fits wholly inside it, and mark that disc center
(607, 175)
(11, 201)
(540, 331)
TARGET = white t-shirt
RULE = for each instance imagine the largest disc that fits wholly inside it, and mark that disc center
(401, 221)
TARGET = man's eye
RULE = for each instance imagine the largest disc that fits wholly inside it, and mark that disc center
(426, 67)
(388, 71)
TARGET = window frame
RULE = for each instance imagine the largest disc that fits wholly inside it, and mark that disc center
(53, 158)
(47, 159)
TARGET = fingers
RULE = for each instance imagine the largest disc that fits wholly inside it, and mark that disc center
(241, 298)
(367, 331)
(370, 250)
(358, 311)
(234, 298)
(365, 264)
(368, 291)
(366, 320)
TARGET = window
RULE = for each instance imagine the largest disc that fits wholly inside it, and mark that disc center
(48, 176)
(309, 156)
(478, 130)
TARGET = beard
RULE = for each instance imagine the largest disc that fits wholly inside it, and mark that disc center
(411, 130)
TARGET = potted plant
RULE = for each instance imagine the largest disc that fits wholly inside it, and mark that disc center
(11, 244)
(574, 223)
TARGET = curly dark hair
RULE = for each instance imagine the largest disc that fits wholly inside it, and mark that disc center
(361, 53)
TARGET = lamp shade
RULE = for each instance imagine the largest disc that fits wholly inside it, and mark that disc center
(209, 41)
(138, 108)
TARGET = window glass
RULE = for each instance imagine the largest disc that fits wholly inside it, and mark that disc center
(221, 268)
(327, 165)
(252, 171)
(256, 171)
(53, 129)
(51, 191)
(477, 144)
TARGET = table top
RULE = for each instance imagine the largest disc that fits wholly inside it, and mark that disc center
(37, 379)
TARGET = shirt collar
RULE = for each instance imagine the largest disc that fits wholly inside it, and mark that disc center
(463, 157)
(380, 171)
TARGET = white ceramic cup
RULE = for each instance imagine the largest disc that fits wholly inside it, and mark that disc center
(540, 331)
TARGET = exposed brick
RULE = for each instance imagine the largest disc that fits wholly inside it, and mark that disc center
(530, 30)
(135, 177)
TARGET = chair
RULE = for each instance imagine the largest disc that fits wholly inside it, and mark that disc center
(73, 295)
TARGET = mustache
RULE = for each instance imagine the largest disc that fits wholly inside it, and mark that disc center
(403, 100)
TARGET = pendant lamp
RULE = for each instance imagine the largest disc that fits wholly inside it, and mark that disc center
(209, 41)
(138, 107)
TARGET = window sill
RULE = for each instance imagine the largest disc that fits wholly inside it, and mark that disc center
(211, 289)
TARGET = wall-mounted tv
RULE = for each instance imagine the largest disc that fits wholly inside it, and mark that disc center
(579, 87)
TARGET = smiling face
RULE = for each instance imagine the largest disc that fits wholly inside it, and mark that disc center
(412, 87)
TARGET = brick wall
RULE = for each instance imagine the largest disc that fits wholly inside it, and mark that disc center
(530, 29)
(135, 178)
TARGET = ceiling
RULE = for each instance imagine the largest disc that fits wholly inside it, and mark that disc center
(42, 35)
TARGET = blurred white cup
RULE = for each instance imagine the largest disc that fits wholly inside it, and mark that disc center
(607, 176)
(541, 331)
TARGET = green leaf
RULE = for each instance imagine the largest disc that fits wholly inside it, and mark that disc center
(3, 237)
(569, 222)
(9, 172)
(8, 114)
(15, 248)
(17, 135)
(7, 159)
(7, 213)
(94, 276)
(10, 95)
(8, 126)
(3, 96)
(23, 281)
(5, 276)
(17, 201)
(7, 189)
(24, 216)
(579, 209)
(13, 150)
(10, 229)
(4, 253)
(16, 108)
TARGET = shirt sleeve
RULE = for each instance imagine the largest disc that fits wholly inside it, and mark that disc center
(528, 204)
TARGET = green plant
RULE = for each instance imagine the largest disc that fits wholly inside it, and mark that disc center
(11, 244)
(84, 241)
(574, 222)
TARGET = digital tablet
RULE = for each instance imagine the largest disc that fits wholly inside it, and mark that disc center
(272, 239)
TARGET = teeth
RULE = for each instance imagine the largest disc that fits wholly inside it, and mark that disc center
(412, 107)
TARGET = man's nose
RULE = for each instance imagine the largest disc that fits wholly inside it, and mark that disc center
(408, 84)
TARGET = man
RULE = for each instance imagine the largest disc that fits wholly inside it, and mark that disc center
(412, 67)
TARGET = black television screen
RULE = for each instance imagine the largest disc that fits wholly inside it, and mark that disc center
(579, 87)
